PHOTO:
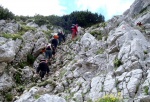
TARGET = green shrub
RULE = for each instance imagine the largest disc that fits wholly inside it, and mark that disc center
(30, 59)
(145, 52)
(100, 51)
(17, 76)
(29, 20)
(20, 89)
(96, 26)
(89, 100)
(22, 18)
(9, 97)
(25, 28)
(48, 34)
(146, 88)
(36, 96)
(97, 35)
(117, 62)
(13, 36)
(86, 49)
(110, 98)
(104, 24)
(22, 64)
(62, 73)
(70, 96)
(40, 20)
(47, 82)
(102, 89)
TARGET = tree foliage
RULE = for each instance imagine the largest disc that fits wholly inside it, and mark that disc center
(5, 13)
(82, 18)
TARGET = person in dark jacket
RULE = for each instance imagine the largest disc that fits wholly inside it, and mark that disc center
(53, 51)
(42, 68)
(54, 42)
(63, 37)
(60, 37)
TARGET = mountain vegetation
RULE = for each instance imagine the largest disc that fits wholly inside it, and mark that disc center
(107, 62)
(5, 13)
(83, 18)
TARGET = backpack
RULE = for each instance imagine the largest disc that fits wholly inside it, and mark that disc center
(43, 50)
(56, 36)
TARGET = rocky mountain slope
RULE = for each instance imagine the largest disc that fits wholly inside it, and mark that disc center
(107, 58)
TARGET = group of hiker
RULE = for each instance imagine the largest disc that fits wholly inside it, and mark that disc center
(50, 50)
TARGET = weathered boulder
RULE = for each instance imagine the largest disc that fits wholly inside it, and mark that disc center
(10, 27)
(33, 43)
(50, 98)
(28, 96)
(137, 7)
(6, 82)
(3, 65)
(32, 24)
(8, 49)
(96, 88)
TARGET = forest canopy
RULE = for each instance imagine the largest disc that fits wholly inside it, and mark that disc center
(82, 18)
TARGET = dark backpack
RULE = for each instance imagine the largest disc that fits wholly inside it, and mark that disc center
(48, 48)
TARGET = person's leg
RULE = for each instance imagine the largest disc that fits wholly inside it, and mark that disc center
(53, 54)
(75, 34)
(46, 54)
(60, 40)
(64, 38)
(42, 74)
(50, 56)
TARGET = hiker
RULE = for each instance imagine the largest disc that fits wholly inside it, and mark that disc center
(42, 68)
(139, 24)
(63, 37)
(60, 37)
(53, 51)
(54, 41)
(74, 30)
(48, 52)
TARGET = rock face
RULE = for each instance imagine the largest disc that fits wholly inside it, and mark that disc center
(85, 69)
(28, 96)
(8, 49)
(138, 6)
(6, 82)
(50, 98)
(11, 27)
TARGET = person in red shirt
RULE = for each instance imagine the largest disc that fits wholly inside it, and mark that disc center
(74, 31)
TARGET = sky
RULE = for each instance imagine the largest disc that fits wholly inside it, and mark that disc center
(108, 8)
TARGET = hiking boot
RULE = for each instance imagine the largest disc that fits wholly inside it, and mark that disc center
(44, 78)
